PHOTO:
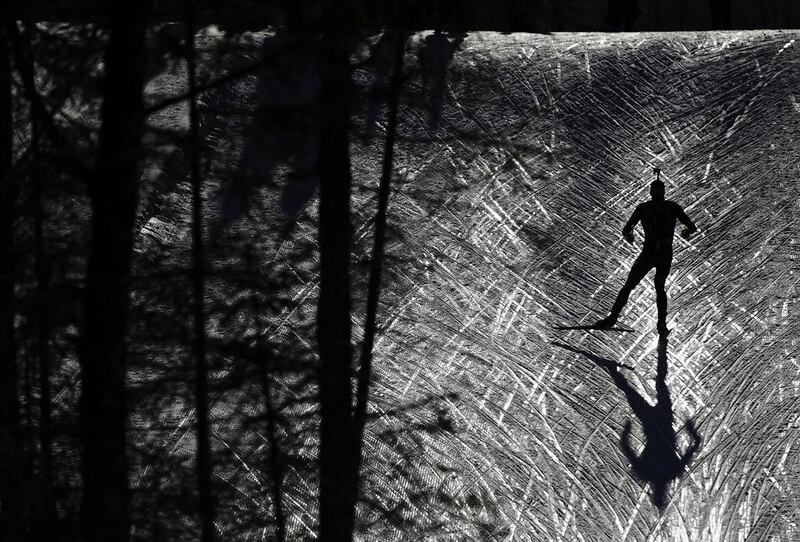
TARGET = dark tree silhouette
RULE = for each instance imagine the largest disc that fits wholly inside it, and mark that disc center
(720, 14)
(274, 464)
(622, 14)
(113, 190)
(46, 514)
(376, 265)
(333, 312)
(207, 533)
(10, 485)
(683, 13)
(48, 510)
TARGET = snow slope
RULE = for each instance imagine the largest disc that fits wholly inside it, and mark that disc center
(505, 219)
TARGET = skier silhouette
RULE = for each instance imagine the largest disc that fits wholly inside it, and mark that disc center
(658, 217)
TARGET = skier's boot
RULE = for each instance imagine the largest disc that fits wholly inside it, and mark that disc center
(606, 323)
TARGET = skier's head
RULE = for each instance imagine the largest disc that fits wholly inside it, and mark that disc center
(657, 190)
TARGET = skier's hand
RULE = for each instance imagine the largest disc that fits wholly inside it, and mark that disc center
(692, 429)
(686, 233)
(628, 236)
(626, 429)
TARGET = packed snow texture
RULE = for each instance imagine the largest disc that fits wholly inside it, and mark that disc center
(515, 170)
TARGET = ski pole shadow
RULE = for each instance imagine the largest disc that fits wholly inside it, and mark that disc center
(660, 462)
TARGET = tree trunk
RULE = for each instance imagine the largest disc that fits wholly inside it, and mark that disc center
(273, 465)
(42, 510)
(333, 311)
(207, 532)
(10, 483)
(113, 193)
(720, 14)
(47, 509)
(376, 266)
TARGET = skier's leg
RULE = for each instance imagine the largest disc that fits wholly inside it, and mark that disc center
(662, 271)
(638, 271)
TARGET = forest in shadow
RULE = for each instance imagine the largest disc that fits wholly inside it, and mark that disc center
(173, 199)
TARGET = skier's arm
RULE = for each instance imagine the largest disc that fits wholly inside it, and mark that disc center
(686, 221)
(625, 444)
(696, 440)
(627, 231)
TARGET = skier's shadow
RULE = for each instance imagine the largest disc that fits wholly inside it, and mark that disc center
(435, 58)
(660, 462)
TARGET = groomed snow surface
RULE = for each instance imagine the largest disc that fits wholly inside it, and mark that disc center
(505, 219)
